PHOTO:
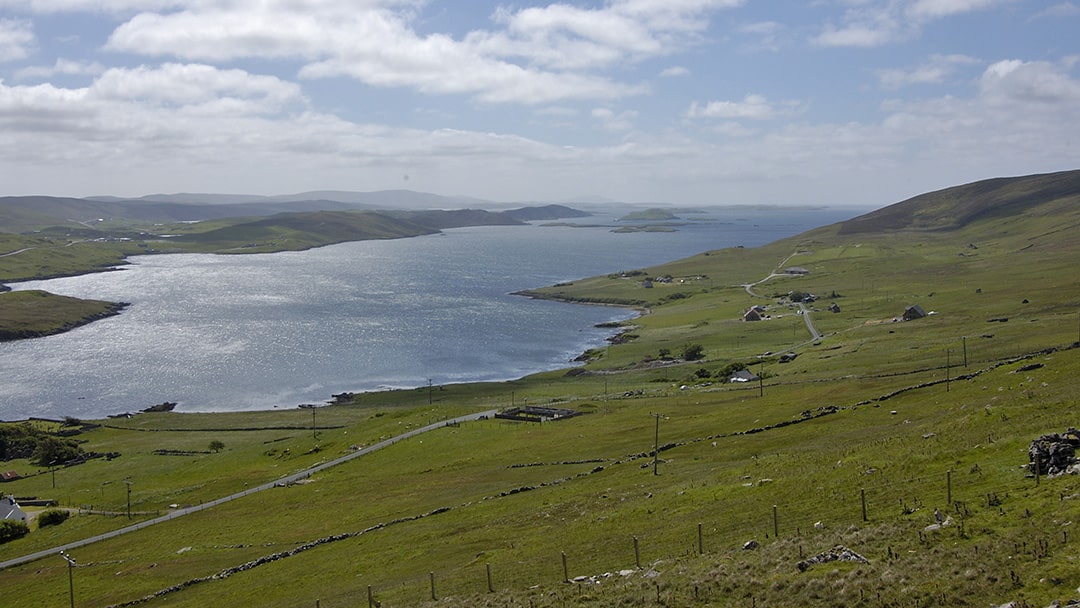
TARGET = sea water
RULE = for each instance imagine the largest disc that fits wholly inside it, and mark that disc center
(242, 332)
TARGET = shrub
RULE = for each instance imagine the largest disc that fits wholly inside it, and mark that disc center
(693, 352)
(52, 517)
(11, 529)
(53, 449)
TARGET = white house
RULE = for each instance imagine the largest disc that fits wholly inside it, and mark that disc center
(9, 509)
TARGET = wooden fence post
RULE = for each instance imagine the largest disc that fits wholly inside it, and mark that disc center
(637, 554)
(432, 576)
(775, 523)
(565, 571)
(700, 543)
(863, 493)
(491, 588)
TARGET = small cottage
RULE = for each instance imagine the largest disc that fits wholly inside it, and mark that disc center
(743, 375)
(9, 509)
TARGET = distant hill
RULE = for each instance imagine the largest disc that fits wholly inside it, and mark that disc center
(381, 199)
(24, 214)
(956, 207)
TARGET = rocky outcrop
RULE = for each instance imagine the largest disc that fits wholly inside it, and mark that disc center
(1055, 454)
(842, 554)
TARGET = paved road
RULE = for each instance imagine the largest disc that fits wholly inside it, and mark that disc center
(809, 323)
(266, 486)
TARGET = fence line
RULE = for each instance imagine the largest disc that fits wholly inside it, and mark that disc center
(884, 502)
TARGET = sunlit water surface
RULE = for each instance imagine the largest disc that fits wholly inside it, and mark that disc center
(240, 332)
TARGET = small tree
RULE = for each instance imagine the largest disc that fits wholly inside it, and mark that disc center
(52, 517)
(216, 446)
(693, 352)
(54, 449)
(10, 529)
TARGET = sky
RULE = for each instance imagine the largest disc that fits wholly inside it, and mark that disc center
(825, 102)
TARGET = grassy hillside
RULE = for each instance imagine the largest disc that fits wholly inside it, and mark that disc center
(959, 206)
(34, 313)
(854, 444)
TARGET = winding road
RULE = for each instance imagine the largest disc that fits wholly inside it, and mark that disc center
(290, 479)
(815, 335)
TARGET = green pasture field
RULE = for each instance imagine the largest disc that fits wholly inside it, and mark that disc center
(34, 313)
(855, 443)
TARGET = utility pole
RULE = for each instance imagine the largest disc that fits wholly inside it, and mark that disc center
(656, 446)
(429, 391)
(71, 578)
(128, 482)
(947, 353)
(314, 429)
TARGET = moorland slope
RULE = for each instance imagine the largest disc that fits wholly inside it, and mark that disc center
(886, 464)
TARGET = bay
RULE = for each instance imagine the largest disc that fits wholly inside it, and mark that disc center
(244, 332)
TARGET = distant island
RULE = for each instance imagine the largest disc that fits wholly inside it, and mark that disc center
(649, 215)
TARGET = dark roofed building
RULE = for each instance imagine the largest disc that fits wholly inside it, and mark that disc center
(914, 312)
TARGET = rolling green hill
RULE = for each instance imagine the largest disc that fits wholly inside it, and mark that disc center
(885, 465)
(959, 206)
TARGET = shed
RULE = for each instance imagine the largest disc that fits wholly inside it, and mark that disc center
(743, 375)
(914, 312)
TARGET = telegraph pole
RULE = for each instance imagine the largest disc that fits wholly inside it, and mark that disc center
(128, 482)
(71, 578)
(656, 446)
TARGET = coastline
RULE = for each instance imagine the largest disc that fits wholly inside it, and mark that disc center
(67, 322)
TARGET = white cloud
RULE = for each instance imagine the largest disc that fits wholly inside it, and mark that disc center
(16, 39)
(939, 69)
(935, 9)
(538, 54)
(674, 71)
(873, 23)
(194, 84)
(97, 6)
(61, 66)
(754, 107)
(1029, 83)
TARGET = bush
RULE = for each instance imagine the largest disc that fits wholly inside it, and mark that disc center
(53, 449)
(693, 352)
(11, 529)
(52, 517)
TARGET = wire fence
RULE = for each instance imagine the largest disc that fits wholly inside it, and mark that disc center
(946, 499)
